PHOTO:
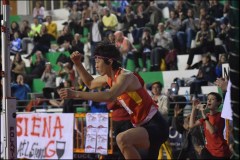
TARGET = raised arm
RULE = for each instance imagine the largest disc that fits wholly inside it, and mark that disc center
(122, 83)
(44, 77)
(192, 122)
(211, 36)
(177, 123)
(87, 78)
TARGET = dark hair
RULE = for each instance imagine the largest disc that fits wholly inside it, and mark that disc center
(109, 51)
(158, 83)
(181, 99)
(205, 20)
(175, 12)
(220, 56)
(216, 95)
(207, 55)
(26, 21)
(108, 33)
(61, 85)
(17, 25)
(69, 82)
(224, 21)
(20, 58)
(130, 6)
(147, 29)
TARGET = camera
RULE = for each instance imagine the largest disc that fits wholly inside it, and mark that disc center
(174, 89)
(204, 106)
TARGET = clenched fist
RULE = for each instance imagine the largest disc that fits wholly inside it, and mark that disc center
(76, 57)
(66, 93)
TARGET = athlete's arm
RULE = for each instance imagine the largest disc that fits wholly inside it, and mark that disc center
(122, 83)
(87, 78)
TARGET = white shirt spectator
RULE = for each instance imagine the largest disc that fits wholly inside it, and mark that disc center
(165, 42)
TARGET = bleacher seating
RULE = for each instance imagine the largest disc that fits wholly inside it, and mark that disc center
(15, 18)
(183, 90)
(169, 76)
(131, 65)
(182, 61)
(58, 14)
(52, 58)
(205, 90)
(37, 85)
(208, 89)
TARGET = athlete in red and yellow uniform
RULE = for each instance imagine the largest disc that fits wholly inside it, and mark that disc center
(135, 101)
(150, 130)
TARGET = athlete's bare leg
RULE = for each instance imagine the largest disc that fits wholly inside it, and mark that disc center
(131, 140)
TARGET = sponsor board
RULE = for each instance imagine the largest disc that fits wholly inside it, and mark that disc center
(45, 136)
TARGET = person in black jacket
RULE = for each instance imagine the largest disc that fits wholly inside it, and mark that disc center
(76, 44)
(96, 35)
(65, 35)
(145, 47)
(37, 68)
(192, 141)
(42, 41)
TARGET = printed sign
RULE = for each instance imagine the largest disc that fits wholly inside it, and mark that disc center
(175, 139)
(97, 133)
(225, 70)
(45, 136)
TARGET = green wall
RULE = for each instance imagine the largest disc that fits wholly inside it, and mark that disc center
(150, 77)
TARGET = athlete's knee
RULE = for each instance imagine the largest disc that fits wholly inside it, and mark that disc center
(122, 140)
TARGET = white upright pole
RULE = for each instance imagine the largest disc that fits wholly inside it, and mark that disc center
(8, 105)
(5, 49)
(52, 5)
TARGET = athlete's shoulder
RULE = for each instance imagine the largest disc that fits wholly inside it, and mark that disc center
(126, 73)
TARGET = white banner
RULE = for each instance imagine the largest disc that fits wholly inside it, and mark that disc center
(45, 136)
(227, 109)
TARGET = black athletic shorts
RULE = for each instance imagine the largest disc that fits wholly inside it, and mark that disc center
(158, 132)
